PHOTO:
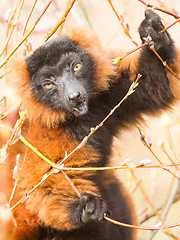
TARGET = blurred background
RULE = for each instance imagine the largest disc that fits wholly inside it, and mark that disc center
(163, 133)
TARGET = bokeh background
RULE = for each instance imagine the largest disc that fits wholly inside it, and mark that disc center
(98, 17)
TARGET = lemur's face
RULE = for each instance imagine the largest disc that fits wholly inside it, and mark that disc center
(62, 76)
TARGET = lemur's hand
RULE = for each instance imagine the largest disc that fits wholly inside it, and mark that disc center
(89, 208)
(150, 28)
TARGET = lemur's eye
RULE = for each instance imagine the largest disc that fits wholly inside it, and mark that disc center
(48, 85)
(77, 67)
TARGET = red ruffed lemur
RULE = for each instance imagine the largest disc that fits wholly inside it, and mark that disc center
(67, 86)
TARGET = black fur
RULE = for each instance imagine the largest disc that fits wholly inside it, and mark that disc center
(53, 62)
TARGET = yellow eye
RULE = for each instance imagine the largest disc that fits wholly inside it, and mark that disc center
(77, 67)
(48, 85)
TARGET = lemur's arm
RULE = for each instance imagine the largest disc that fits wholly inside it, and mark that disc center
(157, 87)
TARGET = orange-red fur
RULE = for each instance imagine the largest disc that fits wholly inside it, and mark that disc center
(32, 169)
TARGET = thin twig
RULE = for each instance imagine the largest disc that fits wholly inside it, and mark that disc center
(12, 30)
(121, 22)
(150, 149)
(139, 227)
(159, 9)
(71, 183)
(168, 205)
(12, 193)
(9, 21)
(29, 15)
(164, 62)
(63, 18)
(35, 150)
(149, 201)
(168, 156)
(148, 215)
(117, 59)
(170, 142)
(16, 130)
(5, 114)
(25, 37)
